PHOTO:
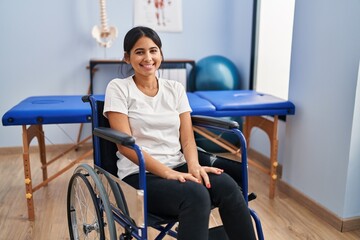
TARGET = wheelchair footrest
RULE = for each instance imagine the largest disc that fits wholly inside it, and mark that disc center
(217, 233)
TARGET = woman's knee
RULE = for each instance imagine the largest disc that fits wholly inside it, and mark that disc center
(197, 196)
(223, 186)
(224, 182)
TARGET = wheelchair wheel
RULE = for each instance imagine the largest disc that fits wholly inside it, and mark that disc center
(114, 191)
(105, 219)
(84, 217)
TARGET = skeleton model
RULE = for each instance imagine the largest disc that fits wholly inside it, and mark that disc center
(104, 35)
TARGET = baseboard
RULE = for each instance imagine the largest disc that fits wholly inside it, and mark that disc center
(340, 224)
(351, 224)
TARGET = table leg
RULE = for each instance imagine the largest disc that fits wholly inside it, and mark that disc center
(28, 134)
(270, 128)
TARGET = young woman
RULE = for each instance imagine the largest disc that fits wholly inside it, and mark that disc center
(157, 113)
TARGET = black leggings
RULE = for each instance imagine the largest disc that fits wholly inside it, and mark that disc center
(191, 203)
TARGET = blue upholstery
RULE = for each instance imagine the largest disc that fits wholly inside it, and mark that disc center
(199, 105)
(48, 110)
(230, 103)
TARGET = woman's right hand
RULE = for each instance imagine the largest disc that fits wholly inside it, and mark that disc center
(180, 176)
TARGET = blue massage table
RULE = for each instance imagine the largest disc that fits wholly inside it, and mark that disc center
(235, 103)
(256, 108)
(33, 112)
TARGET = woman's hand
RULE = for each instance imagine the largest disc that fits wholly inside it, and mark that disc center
(201, 173)
(180, 176)
(198, 174)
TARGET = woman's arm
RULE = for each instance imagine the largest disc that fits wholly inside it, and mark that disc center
(188, 146)
(120, 122)
(187, 140)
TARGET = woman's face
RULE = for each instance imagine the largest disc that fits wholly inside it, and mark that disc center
(145, 57)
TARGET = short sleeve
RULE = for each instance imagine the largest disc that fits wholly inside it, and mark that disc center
(116, 96)
(183, 105)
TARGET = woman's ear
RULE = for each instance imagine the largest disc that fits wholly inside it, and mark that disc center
(126, 58)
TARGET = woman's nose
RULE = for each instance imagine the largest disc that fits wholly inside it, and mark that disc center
(148, 56)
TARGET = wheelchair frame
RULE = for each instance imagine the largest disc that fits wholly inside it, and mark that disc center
(104, 191)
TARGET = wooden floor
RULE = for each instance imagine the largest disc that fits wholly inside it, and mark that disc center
(282, 218)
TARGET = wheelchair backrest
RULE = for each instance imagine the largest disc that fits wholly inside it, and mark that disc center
(104, 150)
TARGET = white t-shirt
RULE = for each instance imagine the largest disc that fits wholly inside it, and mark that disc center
(154, 121)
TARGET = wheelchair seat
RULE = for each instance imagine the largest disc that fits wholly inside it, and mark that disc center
(107, 192)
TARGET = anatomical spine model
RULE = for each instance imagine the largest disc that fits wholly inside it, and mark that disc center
(104, 34)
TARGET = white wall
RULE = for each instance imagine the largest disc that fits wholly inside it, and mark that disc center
(320, 156)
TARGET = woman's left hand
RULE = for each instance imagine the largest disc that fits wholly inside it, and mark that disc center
(201, 173)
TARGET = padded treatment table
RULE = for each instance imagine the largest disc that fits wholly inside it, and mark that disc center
(255, 107)
(39, 110)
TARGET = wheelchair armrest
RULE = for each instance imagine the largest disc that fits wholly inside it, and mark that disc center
(216, 122)
(86, 98)
(114, 136)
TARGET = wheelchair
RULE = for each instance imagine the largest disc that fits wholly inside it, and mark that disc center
(101, 206)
